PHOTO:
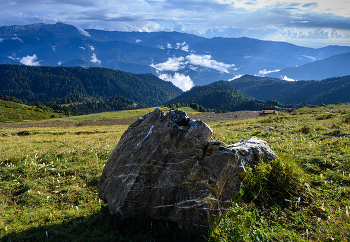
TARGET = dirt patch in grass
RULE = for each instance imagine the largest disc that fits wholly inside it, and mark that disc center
(56, 123)
(218, 117)
(107, 122)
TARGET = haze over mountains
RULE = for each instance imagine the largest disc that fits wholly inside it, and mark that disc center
(184, 59)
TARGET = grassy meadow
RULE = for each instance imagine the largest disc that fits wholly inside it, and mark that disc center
(11, 112)
(49, 183)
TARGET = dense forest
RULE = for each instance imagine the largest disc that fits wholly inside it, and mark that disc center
(45, 84)
(194, 106)
(224, 97)
(79, 104)
(327, 91)
(78, 90)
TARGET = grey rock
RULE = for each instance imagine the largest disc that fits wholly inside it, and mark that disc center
(166, 167)
(253, 150)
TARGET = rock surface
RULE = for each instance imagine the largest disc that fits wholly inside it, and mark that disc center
(167, 167)
(253, 150)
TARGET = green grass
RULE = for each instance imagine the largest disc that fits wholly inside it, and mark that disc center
(112, 115)
(49, 183)
(11, 112)
(313, 146)
(14, 112)
(125, 114)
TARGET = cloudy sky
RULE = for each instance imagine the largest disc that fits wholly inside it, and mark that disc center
(307, 23)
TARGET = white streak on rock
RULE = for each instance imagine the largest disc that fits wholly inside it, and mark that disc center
(149, 132)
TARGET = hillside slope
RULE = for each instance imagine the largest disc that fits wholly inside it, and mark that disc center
(15, 112)
(327, 91)
(51, 83)
(337, 65)
(219, 96)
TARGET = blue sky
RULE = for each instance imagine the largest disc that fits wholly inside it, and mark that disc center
(306, 23)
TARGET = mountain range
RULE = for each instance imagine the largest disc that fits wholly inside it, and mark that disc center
(106, 89)
(327, 91)
(184, 59)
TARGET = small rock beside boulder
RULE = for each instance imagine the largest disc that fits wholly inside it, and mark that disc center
(252, 151)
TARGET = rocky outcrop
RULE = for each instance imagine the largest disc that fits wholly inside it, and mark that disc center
(167, 167)
(253, 150)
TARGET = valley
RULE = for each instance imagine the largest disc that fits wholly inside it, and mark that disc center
(67, 95)
(49, 180)
(186, 60)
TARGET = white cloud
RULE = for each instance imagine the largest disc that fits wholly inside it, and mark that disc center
(92, 48)
(53, 48)
(1, 40)
(138, 40)
(82, 48)
(318, 33)
(265, 72)
(183, 46)
(235, 77)
(59, 63)
(288, 79)
(172, 64)
(82, 31)
(178, 63)
(30, 60)
(193, 68)
(161, 47)
(94, 59)
(193, 16)
(206, 61)
(310, 57)
(169, 46)
(13, 58)
(16, 38)
(179, 80)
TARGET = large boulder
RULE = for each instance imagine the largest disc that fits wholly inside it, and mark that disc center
(167, 167)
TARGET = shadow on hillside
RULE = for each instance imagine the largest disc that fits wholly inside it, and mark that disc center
(102, 226)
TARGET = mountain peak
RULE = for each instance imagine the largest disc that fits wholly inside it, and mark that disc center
(39, 29)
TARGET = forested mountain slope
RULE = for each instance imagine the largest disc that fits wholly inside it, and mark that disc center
(221, 97)
(338, 65)
(330, 90)
(51, 83)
